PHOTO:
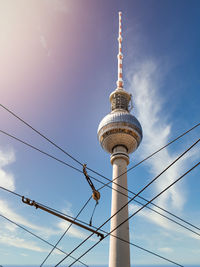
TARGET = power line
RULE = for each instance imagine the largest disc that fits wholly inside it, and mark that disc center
(37, 236)
(55, 246)
(107, 184)
(148, 157)
(42, 135)
(153, 180)
(135, 213)
(58, 147)
(39, 150)
(72, 256)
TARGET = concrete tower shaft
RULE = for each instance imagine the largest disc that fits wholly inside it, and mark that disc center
(120, 134)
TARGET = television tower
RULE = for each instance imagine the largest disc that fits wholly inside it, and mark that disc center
(119, 133)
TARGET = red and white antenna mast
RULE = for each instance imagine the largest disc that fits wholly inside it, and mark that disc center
(120, 82)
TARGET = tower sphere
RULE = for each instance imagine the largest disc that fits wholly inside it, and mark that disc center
(119, 128)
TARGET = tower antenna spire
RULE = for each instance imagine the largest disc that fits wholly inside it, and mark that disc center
(120, 82)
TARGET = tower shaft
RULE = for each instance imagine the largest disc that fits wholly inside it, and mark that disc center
(119, 133)
(119, 250)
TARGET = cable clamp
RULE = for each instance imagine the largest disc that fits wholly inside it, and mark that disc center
(95, 194)
(29, 202)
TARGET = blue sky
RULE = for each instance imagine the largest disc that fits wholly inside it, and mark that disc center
(58, 68)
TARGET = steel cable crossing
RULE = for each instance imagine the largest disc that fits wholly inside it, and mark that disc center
(69, 155)
(153, 180)
(110, 181)
(40, 238)
(90, 168)
(107, 185)
(55, 246)
(130, 217)
(133, 244)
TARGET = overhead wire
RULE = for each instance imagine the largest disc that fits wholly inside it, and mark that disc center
(42, 135)
(104, 223)
(153, 180)
(37, 236)
(79, 161)
(39, 150)
(151, 155)
(196, 165)
(107, 184)
(55, 246)
(69, 155)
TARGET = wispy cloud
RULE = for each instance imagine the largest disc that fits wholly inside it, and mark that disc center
(8, 212)
(15, 241)
(146, 81)
(6, 178)
(166, 250)
(73, 231)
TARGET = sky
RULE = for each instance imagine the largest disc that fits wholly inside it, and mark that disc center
(58, 67)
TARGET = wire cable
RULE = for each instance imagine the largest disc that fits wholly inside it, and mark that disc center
(107, 184)
(153, 180)
(55, 246)
(58, 147)
(11, 221)
(196, 165)
(148, 157)
(37, 236)
(98, 228)
(39, 150)
(42, 135)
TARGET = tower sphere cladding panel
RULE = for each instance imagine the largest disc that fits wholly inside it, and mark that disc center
(119, 128)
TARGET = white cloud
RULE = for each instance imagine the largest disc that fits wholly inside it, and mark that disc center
(8, 212)
(146, 81)
(13, 240)
(6, 178)
(166, 250)
(74, 230)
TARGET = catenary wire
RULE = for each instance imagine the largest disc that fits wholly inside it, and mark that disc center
(136, 212)
(58, 147)
(151, 155)
(76, 218)
(135, 245)
(42, 135)
(107, 184)
(153, 180)
(37, 236)
(55, 246)
(95, 228)
(39, 150)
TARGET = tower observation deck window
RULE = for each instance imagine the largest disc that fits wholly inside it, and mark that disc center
(119, 101)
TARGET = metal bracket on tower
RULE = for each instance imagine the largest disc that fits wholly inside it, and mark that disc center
(56, 213)
(95, 195)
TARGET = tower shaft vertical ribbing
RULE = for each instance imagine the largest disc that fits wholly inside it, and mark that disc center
(119, 250)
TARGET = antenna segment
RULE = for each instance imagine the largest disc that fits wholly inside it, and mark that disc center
(120, 82)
